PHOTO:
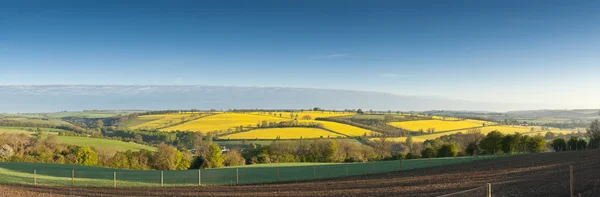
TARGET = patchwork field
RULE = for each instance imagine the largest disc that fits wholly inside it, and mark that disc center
(27, 129)
(103, 145)
(161, 120)
(55, 122)
(439, 125)
(486, 130)
(313, 114)
(445, 118)
(283, 133)
(222, 122)
(345, 129)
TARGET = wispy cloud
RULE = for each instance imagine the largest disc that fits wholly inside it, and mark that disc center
(394, 75)
(336, 55)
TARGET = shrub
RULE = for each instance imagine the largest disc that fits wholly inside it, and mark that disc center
(559, 144)
(428, 152)
(447, 150)
(6, 152)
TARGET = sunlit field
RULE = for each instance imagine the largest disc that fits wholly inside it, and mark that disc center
(222, 122)
(301, 115)
(103, 145)
(54, 122)
(485, 130)
(283, 133)
(161, 120)
(439, 125)
(444, 118)
(345, 129)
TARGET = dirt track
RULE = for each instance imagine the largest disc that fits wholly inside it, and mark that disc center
(526, 175)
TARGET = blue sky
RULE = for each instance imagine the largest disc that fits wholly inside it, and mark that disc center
(501, 51)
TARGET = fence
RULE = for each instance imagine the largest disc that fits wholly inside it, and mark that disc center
(75, 175)
(482, 191)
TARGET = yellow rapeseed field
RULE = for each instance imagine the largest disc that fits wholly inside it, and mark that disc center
(222, 122)
(485, 130)
(445, 118)
(345, 129)
(439, 125)
(161, 120)
(312, 114)
(283, 133)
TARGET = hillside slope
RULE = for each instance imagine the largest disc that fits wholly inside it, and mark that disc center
(545, 174)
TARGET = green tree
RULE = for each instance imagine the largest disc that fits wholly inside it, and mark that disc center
(492, 143)
(594, 134)
(575, 143)
(447, 150)
(559, 144)
(360, 111)
(99, 124)
(233, 158)
(409, 143)
(330, 152)
(473, 148)
(86, 156)
(213, 157)
(428, 152)
(168, 158)
(582, 144)
(119, 160)
(510, 143)
(536, 144)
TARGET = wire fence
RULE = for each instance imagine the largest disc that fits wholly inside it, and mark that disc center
(482, 191)
(76, 175)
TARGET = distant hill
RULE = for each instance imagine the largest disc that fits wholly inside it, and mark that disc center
(53, 98)
(570, 114)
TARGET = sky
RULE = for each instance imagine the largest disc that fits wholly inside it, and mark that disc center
(511, 51)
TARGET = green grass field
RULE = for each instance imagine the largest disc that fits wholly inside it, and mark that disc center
(60, 174)
(105, 145)
(55, 122)
(28, 130)
(274, 165)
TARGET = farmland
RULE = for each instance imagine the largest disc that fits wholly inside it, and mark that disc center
(312, 114)
(509, 176)
(54, 122)
(283, 133)
(439, 125)
(223, 122)
(344, 128)
(484, 130)
(27, 129)
(161, 120)
(103, 145)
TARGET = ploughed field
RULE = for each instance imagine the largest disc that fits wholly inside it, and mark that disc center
(545, 174)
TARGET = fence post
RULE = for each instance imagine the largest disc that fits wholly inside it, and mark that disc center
(572, 183)
(372, 167)
(237, 176)
(162, 181)
(34, 177)
(346, 169)
(115, 178)
(199, 177)
(72, 177)
(489, 190)
(400, 164)
(314, 171)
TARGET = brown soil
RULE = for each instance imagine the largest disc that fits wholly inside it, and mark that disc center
(545, 174)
